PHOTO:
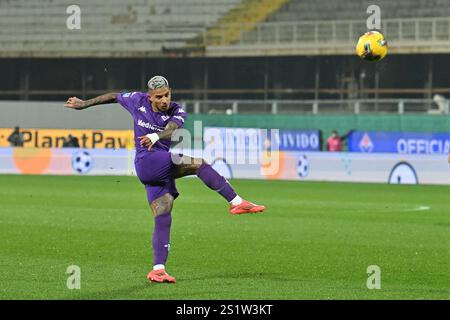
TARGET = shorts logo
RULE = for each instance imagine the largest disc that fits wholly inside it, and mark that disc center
(142, 109)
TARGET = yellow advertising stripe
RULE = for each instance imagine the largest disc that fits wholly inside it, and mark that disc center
(55, 138)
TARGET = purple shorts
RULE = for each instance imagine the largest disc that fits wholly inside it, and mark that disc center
(155, 170)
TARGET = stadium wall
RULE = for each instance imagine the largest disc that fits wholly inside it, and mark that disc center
(291, 165)
(327, 123)
(52, 115)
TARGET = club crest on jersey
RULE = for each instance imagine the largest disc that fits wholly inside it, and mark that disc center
(165, 118)
(142, 109)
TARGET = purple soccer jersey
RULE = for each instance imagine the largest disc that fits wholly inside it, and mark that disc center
(148, 121)
(155, 168)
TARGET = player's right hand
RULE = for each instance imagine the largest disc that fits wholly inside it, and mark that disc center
(75, 103)
(145, 142)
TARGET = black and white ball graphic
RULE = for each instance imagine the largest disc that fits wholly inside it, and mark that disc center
(82, 162)
(302, 166)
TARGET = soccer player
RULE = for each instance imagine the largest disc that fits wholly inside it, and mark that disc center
(156, 117)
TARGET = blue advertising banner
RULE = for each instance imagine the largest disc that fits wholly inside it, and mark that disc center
(279, 139)
(298, 140)
(399, 142)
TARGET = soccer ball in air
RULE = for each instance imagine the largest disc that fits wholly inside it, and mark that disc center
(372, 46)
(82, 162)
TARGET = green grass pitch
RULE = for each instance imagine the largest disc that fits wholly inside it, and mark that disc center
(315, 240)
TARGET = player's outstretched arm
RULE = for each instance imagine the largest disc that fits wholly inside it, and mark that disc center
(78, 104)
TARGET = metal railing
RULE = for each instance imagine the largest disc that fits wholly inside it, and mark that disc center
(337, 33)
(400, 106)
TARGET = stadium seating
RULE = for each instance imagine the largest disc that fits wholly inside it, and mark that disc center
(147, 27)
(140, 25)
(300, 10)
(319, 23)
(242, 18)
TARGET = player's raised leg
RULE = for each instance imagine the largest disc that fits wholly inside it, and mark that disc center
(190, 166)
(162, 211)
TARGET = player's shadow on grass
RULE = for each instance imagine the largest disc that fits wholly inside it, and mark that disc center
(139, 291)
(247, 275)
(122, 293)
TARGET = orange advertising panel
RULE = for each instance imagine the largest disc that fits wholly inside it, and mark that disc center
(55, 138)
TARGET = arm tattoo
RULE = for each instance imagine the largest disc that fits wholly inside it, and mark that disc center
(169, 129)
(103, 99)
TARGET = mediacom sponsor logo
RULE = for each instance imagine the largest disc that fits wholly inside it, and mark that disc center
(54, 138)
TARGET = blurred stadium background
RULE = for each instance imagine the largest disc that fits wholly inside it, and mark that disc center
(248, 57)
(284, 64)
(232, 63)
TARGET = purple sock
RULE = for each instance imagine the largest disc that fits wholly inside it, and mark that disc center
(216, 182)
(161, 236)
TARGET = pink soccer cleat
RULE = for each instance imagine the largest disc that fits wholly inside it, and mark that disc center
(160, 276)
(246, 207)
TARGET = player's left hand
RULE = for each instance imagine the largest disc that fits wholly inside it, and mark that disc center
(75, 103)
(145, 142)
